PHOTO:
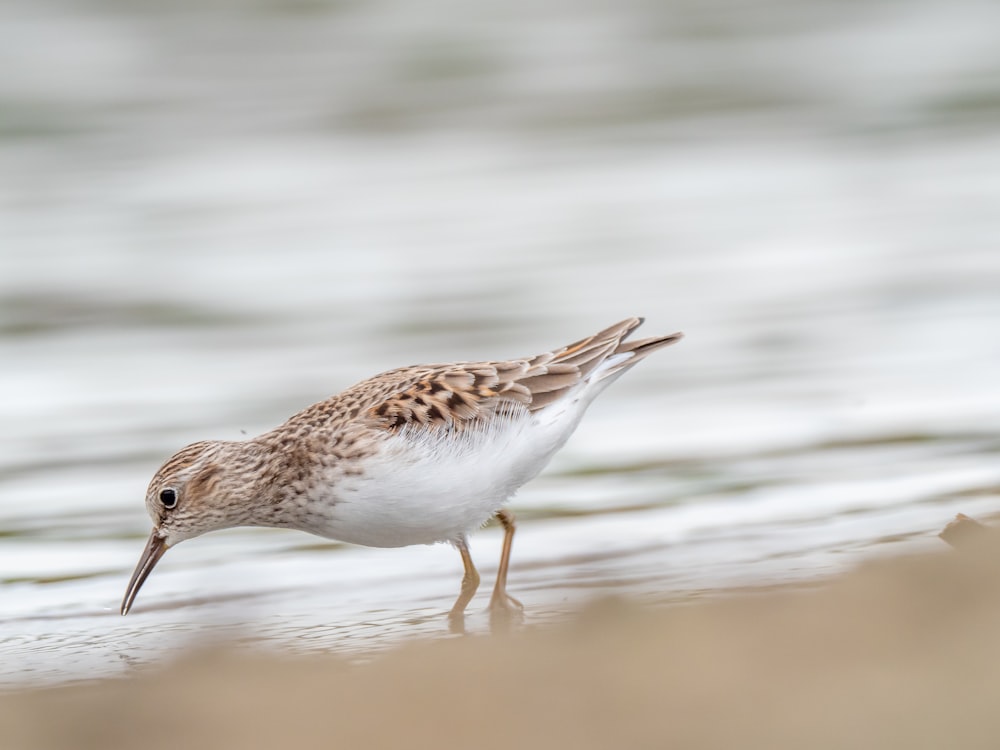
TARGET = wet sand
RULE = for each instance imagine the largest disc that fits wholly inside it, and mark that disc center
(900, 653)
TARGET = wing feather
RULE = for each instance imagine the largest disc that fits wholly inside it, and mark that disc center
(467, 394)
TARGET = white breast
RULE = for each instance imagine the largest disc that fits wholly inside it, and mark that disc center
(434, 486)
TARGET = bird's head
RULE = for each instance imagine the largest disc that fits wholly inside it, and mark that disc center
(194, 492)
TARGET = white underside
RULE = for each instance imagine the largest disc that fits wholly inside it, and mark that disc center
(439, 486)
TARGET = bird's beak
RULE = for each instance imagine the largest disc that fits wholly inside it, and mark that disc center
(155, 548)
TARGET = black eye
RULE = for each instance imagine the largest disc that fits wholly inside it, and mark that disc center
(168, 497)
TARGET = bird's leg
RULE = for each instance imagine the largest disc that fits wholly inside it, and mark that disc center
(504, 607)
(470, 582)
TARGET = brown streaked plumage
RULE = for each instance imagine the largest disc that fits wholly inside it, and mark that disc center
(415, 455)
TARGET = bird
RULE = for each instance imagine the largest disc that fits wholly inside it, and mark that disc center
(416, 455)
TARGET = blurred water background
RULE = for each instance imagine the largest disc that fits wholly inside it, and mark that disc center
(213, 214)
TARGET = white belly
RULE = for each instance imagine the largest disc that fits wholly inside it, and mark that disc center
(422, 489)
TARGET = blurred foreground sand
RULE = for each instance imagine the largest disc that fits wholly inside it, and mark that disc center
(898, 654)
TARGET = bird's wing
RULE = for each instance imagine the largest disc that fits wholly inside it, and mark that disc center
(460, 394)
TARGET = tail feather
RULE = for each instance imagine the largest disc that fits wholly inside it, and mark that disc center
(586, 354)
(641, 347)
(630, 353)
(601, 357)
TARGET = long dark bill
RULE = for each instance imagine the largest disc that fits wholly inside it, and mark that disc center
(155, 548)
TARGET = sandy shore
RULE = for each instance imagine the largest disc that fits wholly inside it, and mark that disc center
(898, 654)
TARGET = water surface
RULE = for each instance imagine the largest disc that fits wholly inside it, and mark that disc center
(209, 222)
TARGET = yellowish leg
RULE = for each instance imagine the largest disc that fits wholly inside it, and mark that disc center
(504, 607)
(470, 582)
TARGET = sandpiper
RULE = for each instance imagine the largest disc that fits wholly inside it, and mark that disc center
(417, 455)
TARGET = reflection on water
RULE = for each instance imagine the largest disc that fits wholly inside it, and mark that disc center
(207, 223)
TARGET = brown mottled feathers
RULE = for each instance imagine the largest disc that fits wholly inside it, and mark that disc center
(186, 458)
(456, 395)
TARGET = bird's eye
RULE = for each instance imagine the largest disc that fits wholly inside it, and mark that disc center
(168, 497)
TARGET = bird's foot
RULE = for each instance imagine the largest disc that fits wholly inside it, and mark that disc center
(505, 611)
(456, 622)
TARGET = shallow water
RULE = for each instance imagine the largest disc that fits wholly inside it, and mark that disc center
(198, 238)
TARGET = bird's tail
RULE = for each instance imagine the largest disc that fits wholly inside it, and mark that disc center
(626, 354)
(595, 359)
